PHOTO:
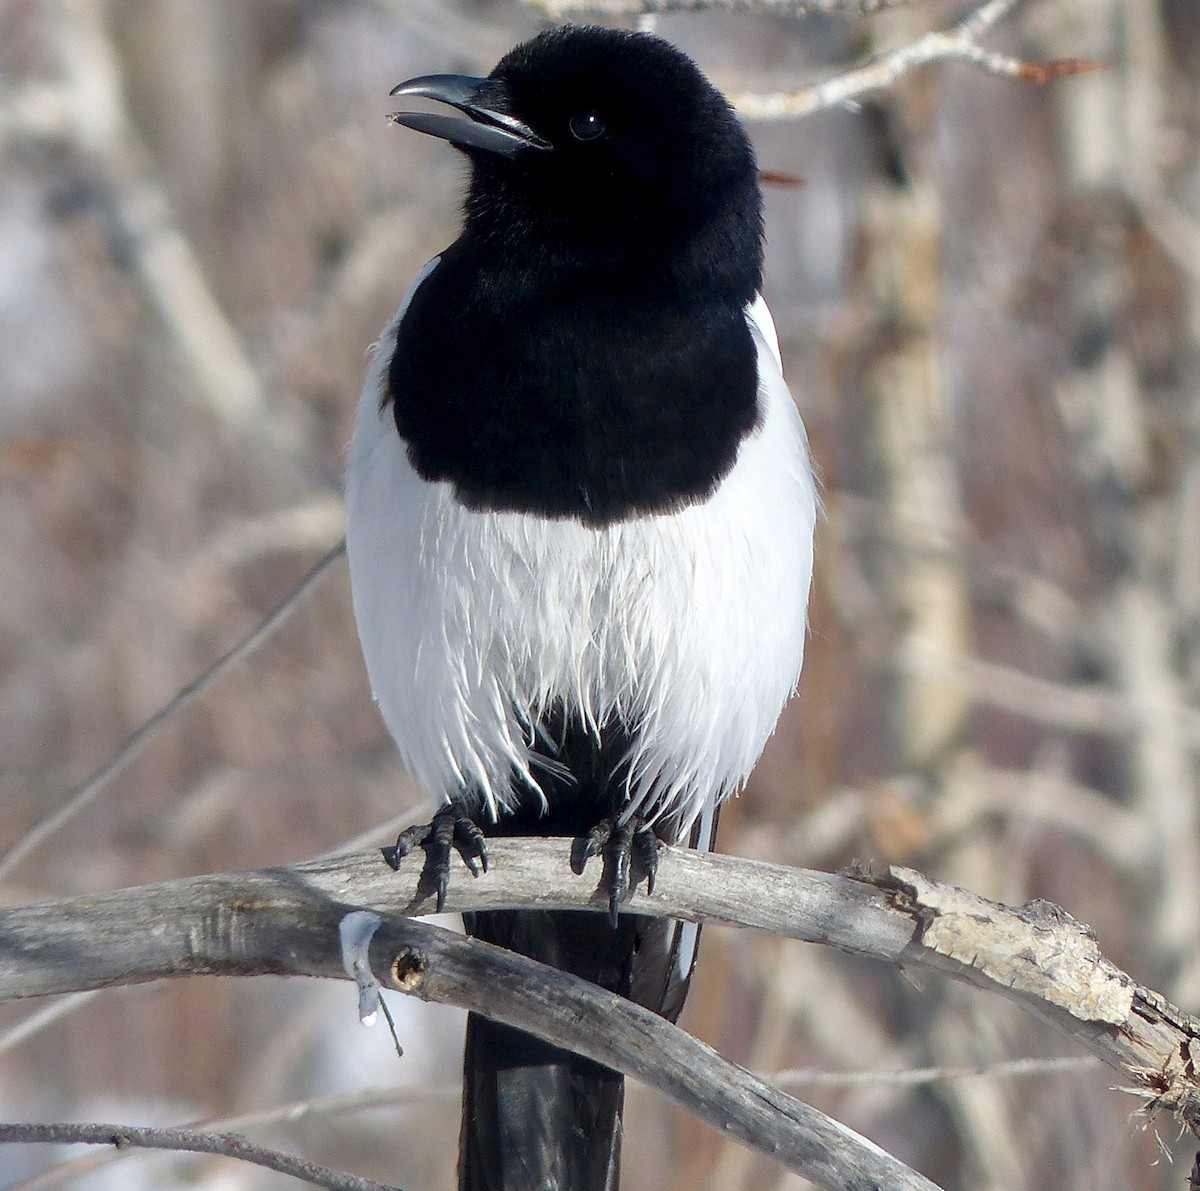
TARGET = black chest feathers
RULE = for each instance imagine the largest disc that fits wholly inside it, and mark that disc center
(568, 402)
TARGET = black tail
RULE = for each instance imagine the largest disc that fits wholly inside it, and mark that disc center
(535, 1117)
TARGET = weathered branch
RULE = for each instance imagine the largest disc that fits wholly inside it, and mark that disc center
(284, 921)
(440, 966)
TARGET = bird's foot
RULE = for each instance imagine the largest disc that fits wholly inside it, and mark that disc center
(623, 842)
(449, 828)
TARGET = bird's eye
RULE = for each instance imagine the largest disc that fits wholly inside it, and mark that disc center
(586, 126)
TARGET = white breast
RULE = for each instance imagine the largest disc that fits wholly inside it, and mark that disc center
(688, 625)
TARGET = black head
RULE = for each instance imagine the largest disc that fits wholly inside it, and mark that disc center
(608, 142)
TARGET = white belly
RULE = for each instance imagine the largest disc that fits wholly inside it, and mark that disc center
(689, 627)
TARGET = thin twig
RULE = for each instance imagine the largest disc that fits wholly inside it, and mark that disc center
(805, 1077)
(228, 1145)
(87, 791)
(959, 43)
(315, 1108)
(558, 9)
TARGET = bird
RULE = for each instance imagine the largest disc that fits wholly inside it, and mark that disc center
(580, 514)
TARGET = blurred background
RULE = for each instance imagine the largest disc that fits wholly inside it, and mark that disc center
(988, 294)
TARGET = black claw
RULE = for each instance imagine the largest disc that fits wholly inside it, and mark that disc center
(449, 829)
(622, 851)
(437, 853)
(409, 838)
(645, 849)
(623, 844)
(597, 838)
(471, 844)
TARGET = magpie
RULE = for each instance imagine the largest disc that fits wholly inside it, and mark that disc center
(580, 513)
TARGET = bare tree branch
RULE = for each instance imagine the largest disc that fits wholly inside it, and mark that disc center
(228, 1145)
(805, 1077)
(958, 44)
(313, 1108)
(343, 1103)
(284, 921)
(441, 966)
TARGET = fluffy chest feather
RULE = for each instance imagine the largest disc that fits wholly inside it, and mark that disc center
(686, 627)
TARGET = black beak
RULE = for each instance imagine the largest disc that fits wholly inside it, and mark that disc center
(483, 128)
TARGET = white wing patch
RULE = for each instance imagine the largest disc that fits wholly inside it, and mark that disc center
(688, 626)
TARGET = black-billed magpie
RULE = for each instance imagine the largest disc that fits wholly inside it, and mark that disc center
(580, 516)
